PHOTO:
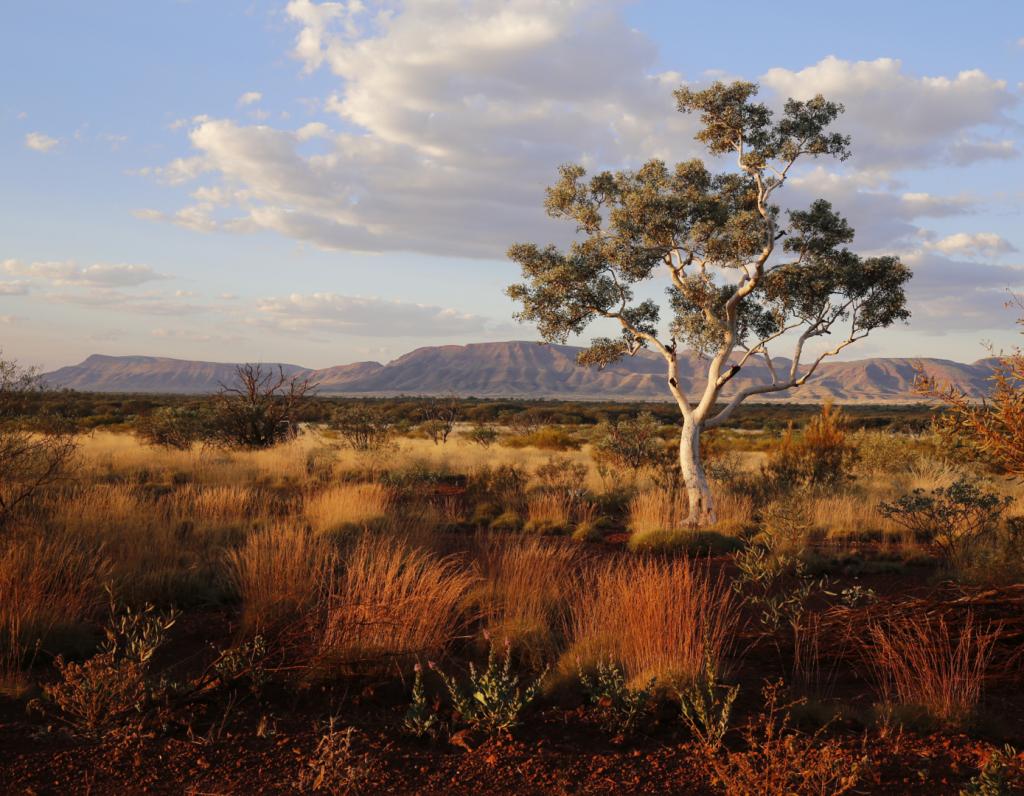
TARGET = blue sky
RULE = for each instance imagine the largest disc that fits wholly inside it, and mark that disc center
(315, 183)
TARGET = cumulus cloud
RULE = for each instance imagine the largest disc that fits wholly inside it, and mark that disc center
(884, 217)
(977, 244)
(899, 120)
(455, 114)
(949, 295)
(15, 288)
(456, 117)
(250, 98)
(67, 272)
(40, 142)
(366, 317)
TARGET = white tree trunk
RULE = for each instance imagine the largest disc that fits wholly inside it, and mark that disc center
(702, 510)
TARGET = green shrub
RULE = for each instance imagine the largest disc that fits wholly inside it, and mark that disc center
(493, 698)
(954, 519)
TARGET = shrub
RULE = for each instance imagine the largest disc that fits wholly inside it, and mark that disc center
(630, 443)
(952, 519)
(923, 664)
(1002, 775)
(364, 427)
(259, 408)
(776, 760)
(334, 766)
(620, 707)
(494, 697)
(482, 435)
(100, 695)
(37, 450)
(706, 707)
(421, 719)
(172, 427)
(653, 618)
(822, 456)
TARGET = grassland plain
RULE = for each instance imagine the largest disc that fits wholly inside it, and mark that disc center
(485, 617)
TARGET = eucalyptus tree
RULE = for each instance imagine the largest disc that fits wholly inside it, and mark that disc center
(740, 274)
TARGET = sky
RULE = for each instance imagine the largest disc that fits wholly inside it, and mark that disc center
(328, 182)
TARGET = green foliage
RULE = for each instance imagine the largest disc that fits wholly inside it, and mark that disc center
(953, 519)
(685, 541)
(630, 443)
(176, 427)
(620, 706)
(364, 427)
(110, 689)
(245, 662)
(494, 697)
(421, 719)
(775, 582)
(706, 707)
(821, 456)
(1002, 775)
(483, 435)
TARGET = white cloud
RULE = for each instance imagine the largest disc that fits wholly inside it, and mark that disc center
(898, 120)
(67, 272)
(973, 244)
(250, 98)
(948, 295)
(369, 317)
(40, 142)
(456, 114)
(883, 219)
(15, 288)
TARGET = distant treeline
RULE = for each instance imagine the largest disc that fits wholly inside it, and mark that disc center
(95, 410)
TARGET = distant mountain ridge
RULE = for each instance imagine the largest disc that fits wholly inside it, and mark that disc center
(519, 369)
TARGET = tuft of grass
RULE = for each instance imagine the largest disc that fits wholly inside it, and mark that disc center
(654, 619)
(923, 664)
(391, 604)
(348, 507)
(278, 574)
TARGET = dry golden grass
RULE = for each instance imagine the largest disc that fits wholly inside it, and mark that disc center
(653, 618)
(525, 591)
(923, 663)
(657, 510)
(279, 575)
(391, 604)
(48, 588)
(548, 512)
(340, 508)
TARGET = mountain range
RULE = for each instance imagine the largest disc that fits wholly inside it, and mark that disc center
(519, 369)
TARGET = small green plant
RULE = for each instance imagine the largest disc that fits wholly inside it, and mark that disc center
(620, 706)
(494, 697)
(1002, 775)
(106, 692)
(706, 707)
(777, 582)
(246, 661)
(421, 719)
